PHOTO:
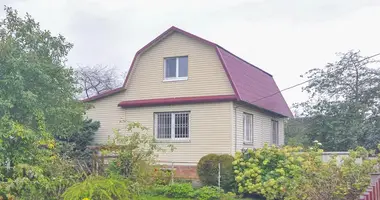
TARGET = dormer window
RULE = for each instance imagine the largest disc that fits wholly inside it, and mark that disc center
(176, 68)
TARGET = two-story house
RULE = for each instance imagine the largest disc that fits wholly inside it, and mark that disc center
(196, 95)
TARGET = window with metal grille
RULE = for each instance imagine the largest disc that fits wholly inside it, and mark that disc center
(248, 128)
(275, 134)
(172, 125)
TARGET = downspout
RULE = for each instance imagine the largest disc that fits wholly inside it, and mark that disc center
(235, 107)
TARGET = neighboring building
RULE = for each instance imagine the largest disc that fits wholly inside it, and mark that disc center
(196, 95)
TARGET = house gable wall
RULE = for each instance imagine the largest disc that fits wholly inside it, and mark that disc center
(206, 76)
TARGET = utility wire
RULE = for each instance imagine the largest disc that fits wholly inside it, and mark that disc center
(298, 84)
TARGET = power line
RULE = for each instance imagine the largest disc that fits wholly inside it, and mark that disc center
(282, 90)
(298, 84)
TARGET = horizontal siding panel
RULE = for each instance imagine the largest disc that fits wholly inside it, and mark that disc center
(206, 75)
(262, 127)
(109, 114)
(210, 129)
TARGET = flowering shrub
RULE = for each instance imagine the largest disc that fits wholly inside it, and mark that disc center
(293, 173)
(336, 179)
(269, 171)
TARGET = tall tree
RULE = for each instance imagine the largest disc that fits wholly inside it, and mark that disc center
(34, 79)
(344, 103)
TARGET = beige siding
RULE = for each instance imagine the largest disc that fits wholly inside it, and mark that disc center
(109, 114)
(262, 130)
(210, 129)
(206, 75)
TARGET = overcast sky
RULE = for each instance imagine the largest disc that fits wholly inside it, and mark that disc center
(283, 37)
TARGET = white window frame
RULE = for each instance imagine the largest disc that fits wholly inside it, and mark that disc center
(275, 136)
(172, 127)
(176, 78)
(245, 134)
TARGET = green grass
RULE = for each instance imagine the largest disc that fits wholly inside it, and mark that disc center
(166, 198)
(159, 198)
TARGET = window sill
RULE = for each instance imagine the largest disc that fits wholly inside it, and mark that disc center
(248, 143)
(175, 79)
(173, 141)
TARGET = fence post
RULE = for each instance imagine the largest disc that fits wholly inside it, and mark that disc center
(172, 173)
(219, 175)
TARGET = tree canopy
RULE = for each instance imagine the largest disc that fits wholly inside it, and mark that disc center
(343, 108)
(34, 78)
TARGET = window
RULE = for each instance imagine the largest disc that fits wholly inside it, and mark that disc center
(248, 128)
(275, 135)
(171, 125)
(176, 68)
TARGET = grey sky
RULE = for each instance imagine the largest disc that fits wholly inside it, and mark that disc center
(283, 37)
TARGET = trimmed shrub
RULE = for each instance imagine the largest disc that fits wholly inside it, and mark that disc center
(208, 193)
(227, 179)
(208, 169)
(184, 190)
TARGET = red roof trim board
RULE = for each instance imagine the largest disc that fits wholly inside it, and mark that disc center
(176, 100)
(104, 94)
(250, 84)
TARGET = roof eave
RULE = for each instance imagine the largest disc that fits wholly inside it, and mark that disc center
(105, 94)
(290, 115)
(176, 101)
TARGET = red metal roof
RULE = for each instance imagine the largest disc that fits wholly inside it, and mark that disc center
(104, 94)
(251, 84)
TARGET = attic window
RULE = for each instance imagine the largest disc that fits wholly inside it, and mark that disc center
(176, 68)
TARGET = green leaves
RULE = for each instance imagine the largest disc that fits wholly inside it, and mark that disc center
(343, 109)
(34, 77)
(37, 103)
(99, 188)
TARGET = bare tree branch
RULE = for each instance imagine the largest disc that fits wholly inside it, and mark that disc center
(97, 79)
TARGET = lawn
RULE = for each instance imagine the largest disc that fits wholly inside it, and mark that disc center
(159, 198)
(166, 198)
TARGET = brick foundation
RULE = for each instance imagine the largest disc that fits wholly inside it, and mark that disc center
(184, 172)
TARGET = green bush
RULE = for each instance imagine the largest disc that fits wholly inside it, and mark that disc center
(161, 176)
(227, 179)
(208, 170)
(184, 190)
(269, 171)
(187, 192)
(208, 193)
(158, 190)
(99, 188)
(346, 179)
(291, 173)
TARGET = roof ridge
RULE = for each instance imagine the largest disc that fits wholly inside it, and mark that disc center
(244, 60)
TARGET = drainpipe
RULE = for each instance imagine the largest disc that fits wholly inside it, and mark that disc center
(235, 107)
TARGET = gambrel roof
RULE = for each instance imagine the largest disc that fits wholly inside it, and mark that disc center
(251, 84)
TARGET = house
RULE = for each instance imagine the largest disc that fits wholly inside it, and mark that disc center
(196, 95)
